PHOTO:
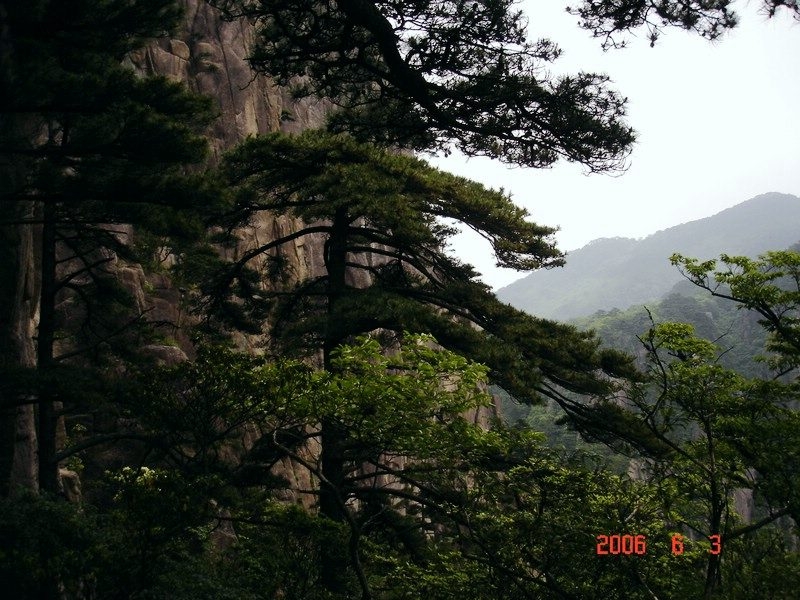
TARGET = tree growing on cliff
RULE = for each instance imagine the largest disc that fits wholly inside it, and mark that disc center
(381, 216)
(427, 75)
(86, 143)
(385, 267)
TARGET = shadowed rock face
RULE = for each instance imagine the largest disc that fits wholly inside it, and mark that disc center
(209, 55)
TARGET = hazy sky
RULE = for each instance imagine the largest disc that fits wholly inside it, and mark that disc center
(717, 124)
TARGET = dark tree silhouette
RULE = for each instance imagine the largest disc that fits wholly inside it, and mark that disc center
(430, 74)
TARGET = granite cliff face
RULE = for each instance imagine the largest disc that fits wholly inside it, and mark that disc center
(210, 56)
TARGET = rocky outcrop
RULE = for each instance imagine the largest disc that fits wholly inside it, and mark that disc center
(211, 57)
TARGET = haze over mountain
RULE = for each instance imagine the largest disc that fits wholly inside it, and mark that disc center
(620, 272)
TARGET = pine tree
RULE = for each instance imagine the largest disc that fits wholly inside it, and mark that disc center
(379, 214)
(367, 202)
(85, 143)
(432, 74)
(611, 20)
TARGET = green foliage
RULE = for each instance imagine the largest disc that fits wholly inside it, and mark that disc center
(434, 504)
(40, 539)
(730, 432)
(612, 20)
(398, 197)
(397, 404)
(432, 501)
(720, 428)
(403, 421)
(769, 286)
(254, 567)
(727, 433)
(425, 75)
(763, 564)
(151, 540)
(86, 143)
(428, 501)
(385, 266)
(90, 143)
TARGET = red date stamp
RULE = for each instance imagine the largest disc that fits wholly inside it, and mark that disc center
(715, 539)
(621, 544)
(628, 544)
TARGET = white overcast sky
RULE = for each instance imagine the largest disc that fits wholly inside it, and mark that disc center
(717, 124)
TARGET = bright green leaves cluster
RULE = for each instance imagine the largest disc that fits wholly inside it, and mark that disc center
(435, 500)
(407, 403)
(766, 280)
(693, 397)
(678, 340)
(694, 388)
(769, 285)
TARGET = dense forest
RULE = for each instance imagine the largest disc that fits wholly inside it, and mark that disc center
(237, 361)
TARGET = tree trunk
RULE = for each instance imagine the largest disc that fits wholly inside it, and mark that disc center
(48, 466)
(333, 559)
(24, 468)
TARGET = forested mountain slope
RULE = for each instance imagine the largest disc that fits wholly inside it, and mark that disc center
(737, 331)
(620, 272)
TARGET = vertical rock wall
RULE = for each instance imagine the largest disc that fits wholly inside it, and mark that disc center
(210, 56)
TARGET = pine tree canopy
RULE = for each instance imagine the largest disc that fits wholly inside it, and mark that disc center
(379, 214)
(610, 20)
(86, 142)
(430, 74)
(82, 131)
(390, 199)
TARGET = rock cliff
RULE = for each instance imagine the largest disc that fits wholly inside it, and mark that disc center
(209, 55)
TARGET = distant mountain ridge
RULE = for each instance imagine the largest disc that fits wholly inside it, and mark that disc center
(618, 272)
